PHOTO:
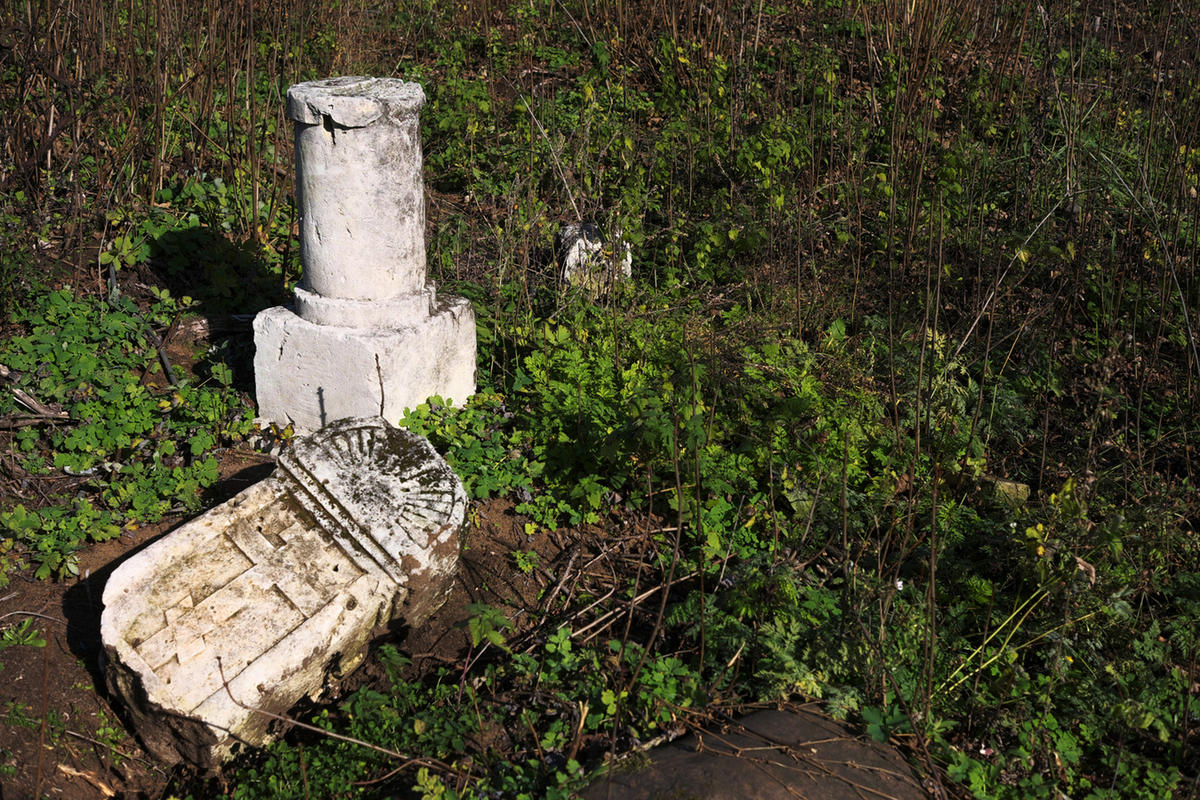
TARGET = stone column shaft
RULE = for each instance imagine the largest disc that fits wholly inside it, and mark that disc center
(359, 187)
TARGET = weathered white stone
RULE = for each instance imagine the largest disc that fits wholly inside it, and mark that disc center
(263, 599)
(310, 374)
(587, 261)
(359, 188)
(365, 332)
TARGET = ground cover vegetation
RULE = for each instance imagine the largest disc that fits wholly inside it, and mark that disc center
(901, 397)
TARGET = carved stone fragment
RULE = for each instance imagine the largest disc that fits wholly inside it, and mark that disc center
(265, 598)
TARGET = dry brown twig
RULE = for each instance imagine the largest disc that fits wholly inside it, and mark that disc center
(39, 408)
(420, 761)
(91, 777)
(609, 616)
(121, 753)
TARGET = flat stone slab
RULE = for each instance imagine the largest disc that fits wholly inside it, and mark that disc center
(265, 598)
(771, 754)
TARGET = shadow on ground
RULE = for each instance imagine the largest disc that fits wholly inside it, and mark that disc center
(792, 752)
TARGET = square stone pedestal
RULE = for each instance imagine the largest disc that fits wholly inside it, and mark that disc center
(310, 375)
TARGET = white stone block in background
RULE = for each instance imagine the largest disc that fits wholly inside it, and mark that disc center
(588, 261)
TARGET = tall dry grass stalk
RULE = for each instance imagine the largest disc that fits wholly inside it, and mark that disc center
(105, 102)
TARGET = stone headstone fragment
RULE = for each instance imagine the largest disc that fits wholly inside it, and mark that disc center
(264, 599)
(588, 261)
(366, 335)
(1010, 494)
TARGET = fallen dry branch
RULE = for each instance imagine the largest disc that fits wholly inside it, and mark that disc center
(408, 761)
(14, 421)
(29, 401)
(90, 777)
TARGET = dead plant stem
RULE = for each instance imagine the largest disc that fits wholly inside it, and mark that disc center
(420, 761)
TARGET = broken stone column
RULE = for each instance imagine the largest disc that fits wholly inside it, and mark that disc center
(366, 335)
(269, 596)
